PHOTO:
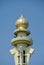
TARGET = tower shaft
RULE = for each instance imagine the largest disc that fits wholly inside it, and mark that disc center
(22, 52)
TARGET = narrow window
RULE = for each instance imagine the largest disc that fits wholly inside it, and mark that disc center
(24, 52)
(23, 56)
(18, 59)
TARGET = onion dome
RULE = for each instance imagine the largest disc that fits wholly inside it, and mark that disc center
(21, 22)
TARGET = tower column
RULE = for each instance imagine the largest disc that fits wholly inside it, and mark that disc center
(22, 51)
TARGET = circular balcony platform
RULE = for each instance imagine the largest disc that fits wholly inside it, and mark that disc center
(21, 40)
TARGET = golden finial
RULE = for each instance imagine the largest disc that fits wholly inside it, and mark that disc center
(21, 22)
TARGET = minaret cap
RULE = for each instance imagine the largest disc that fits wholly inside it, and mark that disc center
(21, 22)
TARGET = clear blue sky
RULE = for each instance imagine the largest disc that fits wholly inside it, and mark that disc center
(10, 11)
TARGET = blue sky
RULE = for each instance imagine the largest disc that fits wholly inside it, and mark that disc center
(10, 11)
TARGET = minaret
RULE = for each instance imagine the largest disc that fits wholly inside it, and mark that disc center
(22, 51)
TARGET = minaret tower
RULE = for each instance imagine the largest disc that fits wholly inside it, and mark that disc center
(22, 51)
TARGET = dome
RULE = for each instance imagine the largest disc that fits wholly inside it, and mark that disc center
(21, 22)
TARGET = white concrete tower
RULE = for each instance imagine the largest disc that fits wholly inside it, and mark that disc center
(22, 52)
